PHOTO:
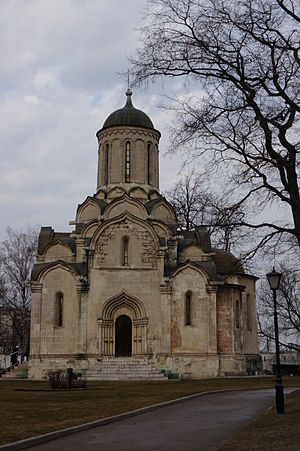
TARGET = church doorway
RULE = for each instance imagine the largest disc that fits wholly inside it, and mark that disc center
(123, 336)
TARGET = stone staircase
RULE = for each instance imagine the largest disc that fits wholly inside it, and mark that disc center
(17, 372)
(124, 369)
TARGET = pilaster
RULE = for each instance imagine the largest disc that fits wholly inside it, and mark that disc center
(212, 290)
(36, 315)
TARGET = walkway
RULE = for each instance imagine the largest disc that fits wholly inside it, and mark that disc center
(199, 424)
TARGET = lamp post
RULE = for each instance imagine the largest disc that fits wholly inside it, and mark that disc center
(274, 281)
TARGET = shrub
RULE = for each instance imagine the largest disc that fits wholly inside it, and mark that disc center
(60, 379)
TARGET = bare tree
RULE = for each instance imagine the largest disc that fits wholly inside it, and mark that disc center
(244, 57)
(288, 307)
(195, 205)
(190, 201)
(17, 255)
(226, 222)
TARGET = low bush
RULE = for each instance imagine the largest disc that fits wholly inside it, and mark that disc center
(60, 379)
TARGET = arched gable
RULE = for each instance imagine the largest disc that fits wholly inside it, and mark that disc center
(142, 241)
(115, 192)
(154, 194)
(88, 211)
(123, 217)
(162, 210)
(101, 194)
(191, 252)
(53, 267)
(161, 228)
(57, 251)
(191, 267)
(89, 229)
(125, 204)
(138, 193)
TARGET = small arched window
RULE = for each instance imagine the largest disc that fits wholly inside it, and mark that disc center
(125, 251)
(127, 162)
(237, 314)
(59, 301)
(249, 316)
(188, 299)
(106, 163)
(148, 162)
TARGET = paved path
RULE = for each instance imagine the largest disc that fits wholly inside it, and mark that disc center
(199, 424)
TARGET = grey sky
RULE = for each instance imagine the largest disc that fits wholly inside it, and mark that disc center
(58, 83)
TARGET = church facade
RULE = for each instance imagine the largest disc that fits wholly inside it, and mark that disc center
(125, 285)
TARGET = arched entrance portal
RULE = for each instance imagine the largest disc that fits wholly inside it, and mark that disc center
(110, 334)
(123, 336)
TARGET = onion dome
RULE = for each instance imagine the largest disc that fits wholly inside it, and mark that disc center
(128, 115)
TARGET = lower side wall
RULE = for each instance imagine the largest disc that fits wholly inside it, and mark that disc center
(38, 368)
(195, 366)
(190, 366)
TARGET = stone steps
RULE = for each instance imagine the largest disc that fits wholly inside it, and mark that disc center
(124, 369)
(17, 372)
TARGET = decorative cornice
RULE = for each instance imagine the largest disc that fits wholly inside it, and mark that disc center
(119, 131)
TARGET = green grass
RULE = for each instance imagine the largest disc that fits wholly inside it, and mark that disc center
(28, 413)
(269, 431)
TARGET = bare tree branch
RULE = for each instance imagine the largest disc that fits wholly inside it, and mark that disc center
(17, 255)
(244, 58)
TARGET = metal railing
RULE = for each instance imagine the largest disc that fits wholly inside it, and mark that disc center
(6, 361)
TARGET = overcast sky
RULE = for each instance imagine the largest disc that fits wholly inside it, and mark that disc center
(59, 81)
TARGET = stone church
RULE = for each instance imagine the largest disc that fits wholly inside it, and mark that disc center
(127, 295)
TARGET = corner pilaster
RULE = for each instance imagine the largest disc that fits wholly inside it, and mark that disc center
(212, 290)
(36, 315)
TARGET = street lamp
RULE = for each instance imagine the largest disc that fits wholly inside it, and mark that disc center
(274, 281)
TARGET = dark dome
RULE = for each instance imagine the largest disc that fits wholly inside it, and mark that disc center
(128, 115)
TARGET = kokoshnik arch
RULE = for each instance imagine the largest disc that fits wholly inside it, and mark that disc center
(126, 285)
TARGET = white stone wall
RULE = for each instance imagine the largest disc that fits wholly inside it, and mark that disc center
(139, 139)
(211, 345)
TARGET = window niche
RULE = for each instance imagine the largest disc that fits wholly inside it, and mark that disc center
(188, 301)
(106, 163)
(237, 314)
(127, 162)
(125, 251)
(59, 304)
(249, 317)
(148, 162)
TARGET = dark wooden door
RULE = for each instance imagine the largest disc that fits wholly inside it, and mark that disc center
(123, 337)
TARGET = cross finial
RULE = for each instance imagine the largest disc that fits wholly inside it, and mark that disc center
(128, 79)
(128, 92)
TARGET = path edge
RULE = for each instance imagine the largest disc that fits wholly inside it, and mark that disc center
(32, 441)
(227, 440)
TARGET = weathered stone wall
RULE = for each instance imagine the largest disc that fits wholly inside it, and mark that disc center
(191, 366)
(48, 338)
(150, 285)
(194, 337)
(141, 245)
(57, 339)
(225, 326)
(248, 335)
(139, 139)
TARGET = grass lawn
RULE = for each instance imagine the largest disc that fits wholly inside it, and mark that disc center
(270, 432)
(25, 414)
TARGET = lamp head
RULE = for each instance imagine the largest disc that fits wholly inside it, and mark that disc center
(274, 278)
